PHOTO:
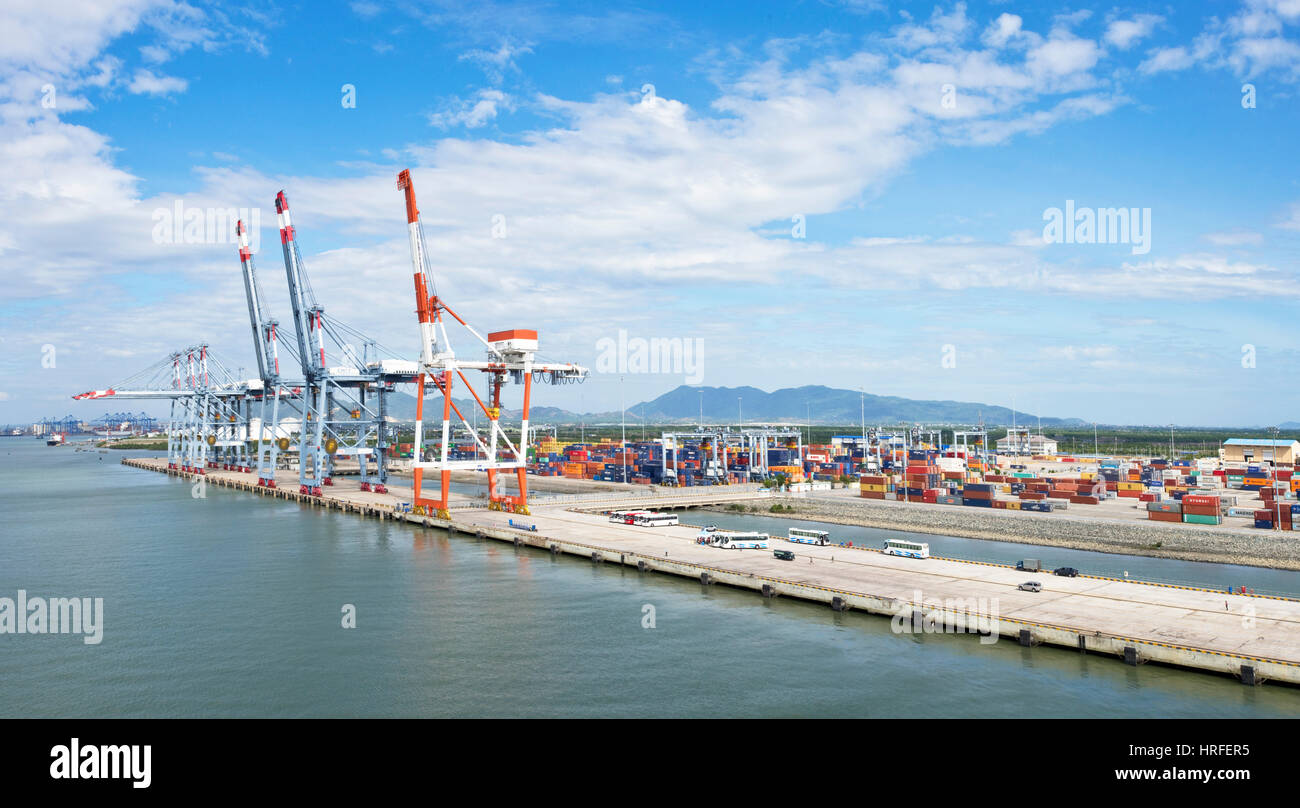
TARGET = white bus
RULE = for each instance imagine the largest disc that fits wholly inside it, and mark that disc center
(910, 549)
(626, 517)
(656, 519)
(736, 541)
(800, 536)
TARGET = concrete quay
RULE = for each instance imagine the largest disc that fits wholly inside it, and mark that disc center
(1252, 638)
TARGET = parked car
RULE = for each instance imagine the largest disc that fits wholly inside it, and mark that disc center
(1066, 572)
(784, 555)
(1031, 586)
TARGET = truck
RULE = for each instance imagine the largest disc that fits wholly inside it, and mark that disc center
(1029, 565)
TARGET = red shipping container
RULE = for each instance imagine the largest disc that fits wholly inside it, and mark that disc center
(1085, 500)
(1161, 516)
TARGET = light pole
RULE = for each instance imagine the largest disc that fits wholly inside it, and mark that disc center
(1277, 506)
(623, 412)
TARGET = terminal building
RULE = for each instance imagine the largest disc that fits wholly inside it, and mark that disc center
(1021, 442)
(1260, 450)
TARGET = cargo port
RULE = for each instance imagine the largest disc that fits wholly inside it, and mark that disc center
(326, 439)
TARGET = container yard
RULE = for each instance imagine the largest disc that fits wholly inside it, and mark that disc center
(1188, 492)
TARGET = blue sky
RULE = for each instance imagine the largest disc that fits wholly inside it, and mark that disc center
(647, 162)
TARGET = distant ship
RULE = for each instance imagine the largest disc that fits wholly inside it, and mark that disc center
(55, 439)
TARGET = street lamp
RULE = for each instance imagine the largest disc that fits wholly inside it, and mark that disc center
(1277, 506)
(623, 413)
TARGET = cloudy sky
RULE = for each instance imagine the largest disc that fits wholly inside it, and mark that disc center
(854, 194)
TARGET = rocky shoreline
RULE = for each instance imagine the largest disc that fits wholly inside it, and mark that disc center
(1278, 550)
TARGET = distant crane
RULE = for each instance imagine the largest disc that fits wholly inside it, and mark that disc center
(509, 353)
(206, 427)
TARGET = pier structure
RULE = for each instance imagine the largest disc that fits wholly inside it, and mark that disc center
(1254, 638)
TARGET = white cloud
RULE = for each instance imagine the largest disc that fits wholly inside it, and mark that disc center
(58, 38)
(1257, 40)
(1027, 238)
(1217, 265)
(1063, 54)
(1163, 60)
(1124, 34)
(941, 30)
(496, 63)
(155, 54)
(1002, 30)
(145, 82)
(474, 112)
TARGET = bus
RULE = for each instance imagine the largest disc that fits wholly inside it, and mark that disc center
(625, 517)
(655, 519)
(735, 541)
(909, 549)
(800, 536)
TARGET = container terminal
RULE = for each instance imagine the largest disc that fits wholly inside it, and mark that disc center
(324, 437)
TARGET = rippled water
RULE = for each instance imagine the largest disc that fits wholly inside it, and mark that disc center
(231, 606)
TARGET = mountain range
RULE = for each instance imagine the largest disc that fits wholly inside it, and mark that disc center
(815, 403)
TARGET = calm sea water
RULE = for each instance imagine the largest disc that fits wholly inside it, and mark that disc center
(231, 606)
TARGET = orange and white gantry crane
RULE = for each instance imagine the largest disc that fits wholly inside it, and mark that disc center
(510, 354)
